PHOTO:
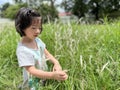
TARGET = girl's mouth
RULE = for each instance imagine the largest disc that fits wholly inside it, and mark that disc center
(35, 35)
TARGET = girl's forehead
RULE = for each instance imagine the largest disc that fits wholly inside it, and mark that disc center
(36, 20)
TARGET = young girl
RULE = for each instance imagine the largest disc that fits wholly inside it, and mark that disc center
(32, 53)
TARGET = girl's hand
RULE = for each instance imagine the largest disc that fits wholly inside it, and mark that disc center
(60, 75)
(57, 67)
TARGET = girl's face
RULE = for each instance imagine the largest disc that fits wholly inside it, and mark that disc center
(34, 30)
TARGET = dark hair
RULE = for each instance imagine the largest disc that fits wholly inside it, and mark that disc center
(24, 19)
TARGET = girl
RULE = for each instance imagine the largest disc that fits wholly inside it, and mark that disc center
(32, 53)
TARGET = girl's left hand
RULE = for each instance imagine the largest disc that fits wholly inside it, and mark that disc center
(57, 67)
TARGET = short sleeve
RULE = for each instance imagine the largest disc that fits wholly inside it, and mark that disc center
(25, 57)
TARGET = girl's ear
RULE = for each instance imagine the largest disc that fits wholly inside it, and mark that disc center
(20, 31)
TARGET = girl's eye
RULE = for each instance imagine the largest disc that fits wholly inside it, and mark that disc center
(33, 28)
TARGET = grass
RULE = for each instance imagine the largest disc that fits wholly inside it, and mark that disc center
(91, 53)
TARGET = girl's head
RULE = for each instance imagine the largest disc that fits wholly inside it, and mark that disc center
(25, 18)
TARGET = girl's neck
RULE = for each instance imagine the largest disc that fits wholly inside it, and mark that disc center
(30, 43)
(26, 40)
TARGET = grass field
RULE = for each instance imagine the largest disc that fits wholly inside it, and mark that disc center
(91, 53)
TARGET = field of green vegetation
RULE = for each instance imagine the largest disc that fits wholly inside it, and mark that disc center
(90, 53)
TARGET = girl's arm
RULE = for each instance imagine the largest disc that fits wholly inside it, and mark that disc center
(58, 75)
(57, 66)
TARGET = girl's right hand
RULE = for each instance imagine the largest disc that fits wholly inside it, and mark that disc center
(60, 75)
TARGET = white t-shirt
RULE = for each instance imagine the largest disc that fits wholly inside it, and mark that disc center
(31, 57)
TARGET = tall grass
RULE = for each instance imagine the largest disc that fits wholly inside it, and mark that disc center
(90, 53)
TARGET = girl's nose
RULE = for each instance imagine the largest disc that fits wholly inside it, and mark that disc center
(38, 31)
